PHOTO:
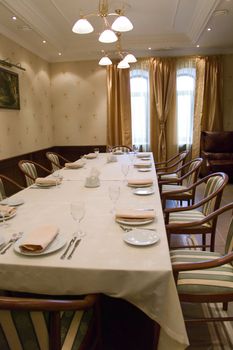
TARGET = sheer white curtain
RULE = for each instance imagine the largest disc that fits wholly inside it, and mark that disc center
(140, 105)
(185, 92)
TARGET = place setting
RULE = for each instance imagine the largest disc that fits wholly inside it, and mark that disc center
(48, 182)
(6, 212)
(135, 217)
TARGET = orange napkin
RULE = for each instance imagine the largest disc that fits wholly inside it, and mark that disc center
(39, 239)
(90, 155)
(143, 164)
(135, 214)
(7, 210)
(75, 165)
(47, 181)
(132, 182)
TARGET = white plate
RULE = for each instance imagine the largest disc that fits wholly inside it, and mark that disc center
(8, 217)
(140, 185)
(134, 222)
(144, 191)
(144, 170)
(12, 201)
(145, 158)
(56, 244)
(141, 237)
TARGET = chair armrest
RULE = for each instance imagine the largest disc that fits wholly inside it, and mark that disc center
(12, 182)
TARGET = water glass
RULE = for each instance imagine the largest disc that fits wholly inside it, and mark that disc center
(114, 194)
(77, 210)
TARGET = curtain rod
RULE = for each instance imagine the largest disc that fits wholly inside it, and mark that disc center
(7, 63)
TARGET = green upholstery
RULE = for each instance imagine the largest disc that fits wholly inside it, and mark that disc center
(54, 159)
(213, 184)
(168, 188)
(2, 191)
(173, 176)
(187, 216)
(30, 169)
(23, 330)
(215, 280)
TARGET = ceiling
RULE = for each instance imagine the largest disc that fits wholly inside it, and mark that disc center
(168, 27)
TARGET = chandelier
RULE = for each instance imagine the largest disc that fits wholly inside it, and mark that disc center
(125, 57)
(108, 35)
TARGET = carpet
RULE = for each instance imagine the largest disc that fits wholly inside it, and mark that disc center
(208, 336)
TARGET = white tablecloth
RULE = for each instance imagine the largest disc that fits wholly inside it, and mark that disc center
(103, 262)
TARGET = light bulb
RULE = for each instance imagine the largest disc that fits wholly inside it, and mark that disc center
(122, 24)
(108, 36)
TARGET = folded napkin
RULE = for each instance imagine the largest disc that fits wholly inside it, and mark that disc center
(48, 181)
(135, 214)
(90, 155)
(39, 239)
(143, 154)
(143, 164)
(6, 210)
(132, 182)
(75, 165)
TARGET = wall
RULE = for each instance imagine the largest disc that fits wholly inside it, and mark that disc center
(79, 103)
(30, 128)
(228, 93)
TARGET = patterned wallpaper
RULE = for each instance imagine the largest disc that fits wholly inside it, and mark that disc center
(79, 103)
(228, 93)
(30, 128)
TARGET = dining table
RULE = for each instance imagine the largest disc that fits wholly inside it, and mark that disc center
(106, 260)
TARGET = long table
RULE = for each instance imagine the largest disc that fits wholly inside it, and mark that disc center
(103, 262)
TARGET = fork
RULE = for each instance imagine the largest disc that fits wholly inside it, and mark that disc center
(13, 239)
(127, 229)
(79, 237)
(68, 247)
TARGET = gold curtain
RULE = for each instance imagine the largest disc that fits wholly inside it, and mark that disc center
(208, 114)
(118, 106)
(163, 107)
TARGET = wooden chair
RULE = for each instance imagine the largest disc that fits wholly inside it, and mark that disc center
(122, 148)
(31, 170)
(195, 219)
(170, 169)
(57, 161)
(205, 277)
(181, 188)
(4, 182)
(48, 322)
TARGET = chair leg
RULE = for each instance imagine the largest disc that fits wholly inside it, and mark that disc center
(225, 306)
(54, 330)
(204, 242)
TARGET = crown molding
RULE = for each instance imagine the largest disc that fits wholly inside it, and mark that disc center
(201, 16)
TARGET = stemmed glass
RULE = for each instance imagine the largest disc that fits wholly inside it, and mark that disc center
(125, 170)
(135, 149)
(114, 194)
(77, 210)
(56, 175)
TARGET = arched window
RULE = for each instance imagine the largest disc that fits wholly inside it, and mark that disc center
(140, 110)
(185, 89)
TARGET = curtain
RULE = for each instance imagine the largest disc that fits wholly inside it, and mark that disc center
(208, 100)
(118, 106)
(163, 107)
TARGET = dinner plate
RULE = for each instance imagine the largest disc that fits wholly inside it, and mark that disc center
(144, 170)
(55, 245)
(43, 185)
(145, 158)
(134, 222)
(12, 201)
(144, 191)
(8, 217)
(141, 237)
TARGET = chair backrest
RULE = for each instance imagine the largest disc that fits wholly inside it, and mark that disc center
(122, 148)
(214, 185)
(193, 171)
(54, 159)
(229, 240)
(29, 170)
(2, 191)
(181, 160)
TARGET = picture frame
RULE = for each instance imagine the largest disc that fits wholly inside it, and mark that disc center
(9, 89)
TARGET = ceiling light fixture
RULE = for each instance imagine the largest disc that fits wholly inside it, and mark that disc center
(108, 35)
(125, 57)
(209, 29)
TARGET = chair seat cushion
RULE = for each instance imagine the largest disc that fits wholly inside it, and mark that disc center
(187, 216)
(173, 176)
(23, 330)
(173, 188)
(211, 281)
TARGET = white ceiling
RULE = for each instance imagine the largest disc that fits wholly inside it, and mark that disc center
(169, 27)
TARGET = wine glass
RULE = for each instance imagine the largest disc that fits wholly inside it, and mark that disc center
(125, 170)
(56, 175)
(114, 194)
(77, 210)
(96, 151)
(135, 149)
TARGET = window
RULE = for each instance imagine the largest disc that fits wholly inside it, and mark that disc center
(140, 110)
(185, 86)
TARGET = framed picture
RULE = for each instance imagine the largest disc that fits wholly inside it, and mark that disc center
(9, 89)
